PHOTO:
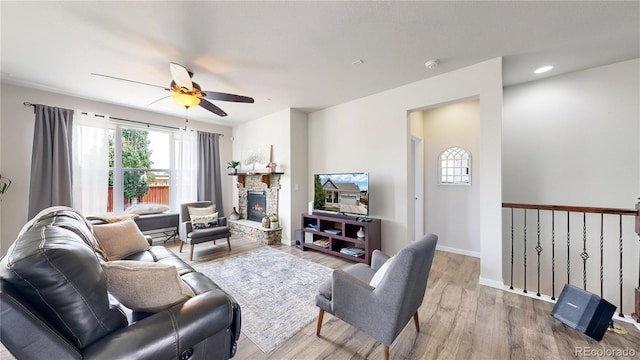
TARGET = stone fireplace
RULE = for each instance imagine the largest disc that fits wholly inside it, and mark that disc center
(257, 195)
(265, 185)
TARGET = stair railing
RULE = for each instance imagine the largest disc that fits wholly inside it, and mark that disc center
(546, 235)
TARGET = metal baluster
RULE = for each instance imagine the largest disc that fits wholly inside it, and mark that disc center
(511, 287)
(601, 255)
(538, 250)
(568, 250)
(620, 251)
(584, 255)
(525, 251)
(553, 255)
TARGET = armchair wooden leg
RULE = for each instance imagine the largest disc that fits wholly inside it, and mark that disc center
(229, 244)
(416, 321)
(385, 352)
(181, 243)
(320, 316)
(191, 255)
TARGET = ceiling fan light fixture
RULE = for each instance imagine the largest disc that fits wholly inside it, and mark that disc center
(186, 100)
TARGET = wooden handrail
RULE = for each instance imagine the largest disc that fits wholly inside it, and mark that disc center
(583, 209)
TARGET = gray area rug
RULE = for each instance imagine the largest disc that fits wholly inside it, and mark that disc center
(276, 292)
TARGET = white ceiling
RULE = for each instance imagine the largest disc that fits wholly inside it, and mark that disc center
(297, 54)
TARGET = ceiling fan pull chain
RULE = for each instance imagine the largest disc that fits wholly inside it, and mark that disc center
(186, 117)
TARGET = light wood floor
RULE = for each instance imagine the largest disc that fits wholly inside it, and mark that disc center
(459, 319)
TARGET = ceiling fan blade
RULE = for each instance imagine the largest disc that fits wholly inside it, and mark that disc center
(214, 109)
(133, 81)
(181, 76)
(212, 95)
(155, 101)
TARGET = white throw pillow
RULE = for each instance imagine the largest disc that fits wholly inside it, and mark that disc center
(120, 239)
(204, 221)
(199, 211)
(145, 286)
(379, 275)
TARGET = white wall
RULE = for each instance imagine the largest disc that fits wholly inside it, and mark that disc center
(573, 139)
(372, 134)
(415, 219)
(16, 134)
(299, 170)
(453, 212)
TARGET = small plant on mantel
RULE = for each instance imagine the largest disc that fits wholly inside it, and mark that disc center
(233, 166)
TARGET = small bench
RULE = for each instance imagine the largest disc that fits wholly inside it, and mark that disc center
(159, 225)
(155, 226)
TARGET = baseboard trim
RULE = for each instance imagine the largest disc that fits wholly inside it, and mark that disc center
(474, 254)
(491, 283)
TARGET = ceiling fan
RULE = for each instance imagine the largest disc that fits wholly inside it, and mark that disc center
(188, 93)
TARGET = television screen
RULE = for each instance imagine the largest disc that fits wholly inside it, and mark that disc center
(342, 193)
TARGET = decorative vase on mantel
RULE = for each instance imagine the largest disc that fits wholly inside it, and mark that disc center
(266, 223)
(234, 215)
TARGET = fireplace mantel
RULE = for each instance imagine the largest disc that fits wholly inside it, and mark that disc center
(265, 177)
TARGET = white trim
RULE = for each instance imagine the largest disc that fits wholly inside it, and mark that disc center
(474, 254)
(491, 283)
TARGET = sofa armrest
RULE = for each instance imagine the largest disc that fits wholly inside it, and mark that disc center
(28, 336)
(169, 333)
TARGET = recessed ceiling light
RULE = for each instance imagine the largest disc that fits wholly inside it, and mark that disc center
(543, 69)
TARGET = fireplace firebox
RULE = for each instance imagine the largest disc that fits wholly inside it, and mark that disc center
(256, 205)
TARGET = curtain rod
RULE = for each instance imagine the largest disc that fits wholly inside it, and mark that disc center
(26, 103)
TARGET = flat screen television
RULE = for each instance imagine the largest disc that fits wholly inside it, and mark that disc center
(345, 193)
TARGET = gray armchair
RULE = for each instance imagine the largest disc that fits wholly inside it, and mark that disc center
(381, 312)
(191, 236)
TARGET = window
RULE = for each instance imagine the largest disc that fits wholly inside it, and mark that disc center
(117, 165)
(454, 167)
(139, 167)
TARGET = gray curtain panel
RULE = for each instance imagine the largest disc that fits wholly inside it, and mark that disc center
(51, 159)
(209, 173)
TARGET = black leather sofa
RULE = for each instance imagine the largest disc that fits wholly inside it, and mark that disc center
(54, 302)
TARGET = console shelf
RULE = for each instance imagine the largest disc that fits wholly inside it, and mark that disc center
(338, 235)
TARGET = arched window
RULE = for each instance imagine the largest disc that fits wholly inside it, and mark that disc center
(455, 167)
